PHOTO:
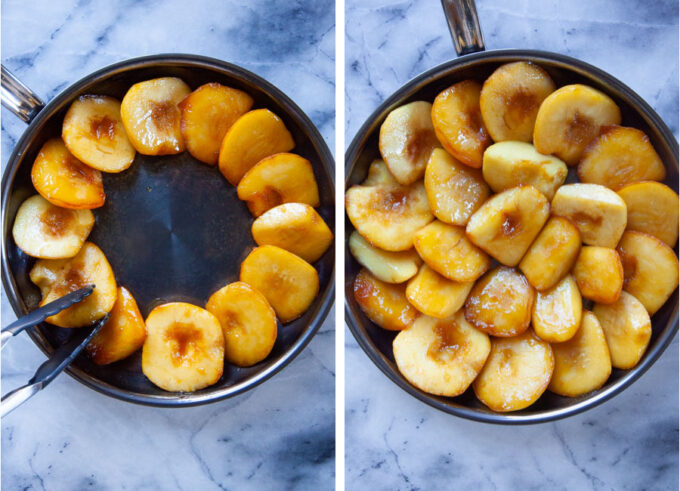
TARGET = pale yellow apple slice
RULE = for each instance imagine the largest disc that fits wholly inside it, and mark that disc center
(391, 267)
(436, 296)
(557, 312)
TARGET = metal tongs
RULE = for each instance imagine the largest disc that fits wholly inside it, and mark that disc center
(61, 357)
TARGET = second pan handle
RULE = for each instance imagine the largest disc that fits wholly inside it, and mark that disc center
(18, 98)
(461, 16)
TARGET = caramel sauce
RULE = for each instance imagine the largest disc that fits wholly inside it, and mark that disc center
(73, 280)
(363, 290)
(519, 106)
(56, 220)
(420, 145)
(78, 170)
(512, 223)
(629, 264)
(583, 219)
(448, 342)
(103, 128)
(475, 125)
(269, 197)
(184, 337)
(163, 115)
(579, 130)
(391, 200)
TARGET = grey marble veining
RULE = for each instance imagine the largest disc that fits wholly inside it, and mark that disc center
(396, 442)
(277, 436)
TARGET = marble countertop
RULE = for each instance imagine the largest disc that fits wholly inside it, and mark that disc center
(396, 442)
(279, 435)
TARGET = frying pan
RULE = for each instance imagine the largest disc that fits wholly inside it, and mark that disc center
(475, 63)
(172, 227)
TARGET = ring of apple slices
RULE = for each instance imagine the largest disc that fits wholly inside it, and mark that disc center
(607, 239)
(184, 346)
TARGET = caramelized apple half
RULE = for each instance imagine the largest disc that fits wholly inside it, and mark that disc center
(569, 118)
(619, 156)
(599, 274)
(384, 303)
(441, 356)
(151, 115)
(184, 348)
(390, 267)
(295, 227)
(445, 249)
(123, 334)
(57, 277)
(557, 312)
(44, 230)
(509, 164)
(650, 269)
(248, 323)
(281, 178)
(436, 296)
(510, 99)
(598, 212)
(406, 141)
(386, 213)
(65, 181)
(653, 209)
(289, 283)
(93, 132)
(454, 191)
(552, 254)
(254, 136)
(458, 122)
(501, 303)
(582, 364)
(507, 224)
(516, 373)
(207, 113)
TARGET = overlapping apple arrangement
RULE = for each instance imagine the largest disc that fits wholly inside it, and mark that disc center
(184, 345)
(542, 285)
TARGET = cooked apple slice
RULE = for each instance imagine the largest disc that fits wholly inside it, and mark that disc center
(619, 156)
(151, 115)
(599, 274)
(386, 213)
(628, 329)
(44, 230)
(123, 334)
(207, 113)
(406, 141)
(652, 209)
(552, 254)
(65, 181)
(557, 312)
(516, 373)
(248, 323)
(570, 118)
(507, 224)
(184, 348)
(445, 249)
(441, 356)
(598, 212)
(288, 282)
(295, 227)
(384, 303)
(509, 164)
(500, 304)
(582, 364)
(510, 100)
(57, 277)
(254, 136)
(454, 191)
(436, 296)
(390, 267)
(458, 122)
(281, 178)
(650, 269)
(93, 132)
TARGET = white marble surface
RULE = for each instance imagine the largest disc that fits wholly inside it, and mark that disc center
(396, 442)
(278, 436)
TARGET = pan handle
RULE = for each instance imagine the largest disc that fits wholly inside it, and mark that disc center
(18, 98)
(461, 16)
